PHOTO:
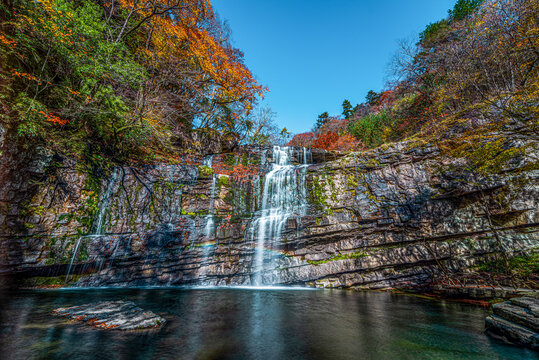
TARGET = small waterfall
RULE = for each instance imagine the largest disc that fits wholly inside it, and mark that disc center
(210, 223)
(98, 229)
(73, 258)
(283, 196)
(209, 229)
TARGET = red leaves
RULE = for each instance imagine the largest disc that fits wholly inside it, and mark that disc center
(243, 172)
(346, 142)
(9, 43)
(325, 140)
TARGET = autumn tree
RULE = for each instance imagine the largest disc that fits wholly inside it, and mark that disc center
(302, 140)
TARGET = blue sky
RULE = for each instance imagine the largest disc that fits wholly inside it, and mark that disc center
(312, 54)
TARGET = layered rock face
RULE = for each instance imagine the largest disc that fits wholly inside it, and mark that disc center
(392, 217)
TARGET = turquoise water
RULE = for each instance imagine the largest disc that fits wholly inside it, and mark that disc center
(252, 324)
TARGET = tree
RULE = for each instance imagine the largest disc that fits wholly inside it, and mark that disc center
(325, 140)
(321, 120)
(285, 135)
(261, 128)
(404, 69)
(346, 109)
(121, 77)
(302, 140)
(463, 8)
(373, 98)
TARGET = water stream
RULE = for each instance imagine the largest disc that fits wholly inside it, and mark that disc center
(209, 229)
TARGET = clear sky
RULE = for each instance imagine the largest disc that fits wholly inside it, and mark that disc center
(312, 54)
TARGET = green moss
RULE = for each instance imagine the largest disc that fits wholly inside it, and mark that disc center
(230, 160)
(317, 191)
(355, 255)
(223, 181)
(245, 159)
(49, 281)
(522, 265)
(205, 171)
(351, 181)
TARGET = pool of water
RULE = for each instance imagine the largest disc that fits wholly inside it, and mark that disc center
(252, 324)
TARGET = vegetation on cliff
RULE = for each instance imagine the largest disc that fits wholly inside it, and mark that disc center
(126, 79)
(468, 80)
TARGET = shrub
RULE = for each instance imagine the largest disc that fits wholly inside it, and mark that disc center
(325, 140)
(346, 142)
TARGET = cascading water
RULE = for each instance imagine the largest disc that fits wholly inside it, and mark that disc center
(98, 229)
(209, 229)
(210, 222)
(283, 196)
(104, 203)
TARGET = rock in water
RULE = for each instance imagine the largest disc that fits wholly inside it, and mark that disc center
(120, 315)
(515, 321)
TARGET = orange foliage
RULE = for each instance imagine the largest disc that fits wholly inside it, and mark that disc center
(51, 118)
(183, 33)
(385, 97)
(25, 76)
(242, 172)
(345, 142)
(325, 140)
(9, 43)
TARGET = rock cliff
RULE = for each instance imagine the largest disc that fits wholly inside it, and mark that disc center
(391, 217)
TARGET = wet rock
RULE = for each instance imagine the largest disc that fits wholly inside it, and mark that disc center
(118, 315)
(515, 322)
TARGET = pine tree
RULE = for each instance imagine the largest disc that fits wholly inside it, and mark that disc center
(322, 119)
(346, 109)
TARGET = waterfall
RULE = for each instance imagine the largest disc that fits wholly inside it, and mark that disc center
(210, 223)
(283, 196)
(209, 229)
(73, 258)
(104, 203)
(98, 228)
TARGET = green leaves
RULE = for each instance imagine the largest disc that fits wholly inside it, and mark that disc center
(370, 129)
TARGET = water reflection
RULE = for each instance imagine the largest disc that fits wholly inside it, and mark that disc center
(252, 324)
